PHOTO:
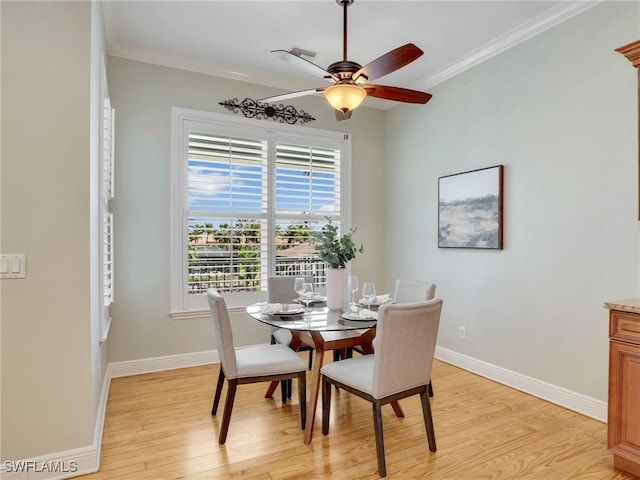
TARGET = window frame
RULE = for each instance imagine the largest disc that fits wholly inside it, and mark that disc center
(182, 119)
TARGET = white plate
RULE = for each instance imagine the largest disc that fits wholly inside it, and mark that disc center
(356, 317)
(288, 313)
(314, 300)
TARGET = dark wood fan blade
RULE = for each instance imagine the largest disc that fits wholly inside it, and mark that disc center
(397, 94)
(340, 115)
(389, 62)
(303, 63)
(287, 96)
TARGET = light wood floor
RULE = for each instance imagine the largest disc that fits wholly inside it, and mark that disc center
(158, 426)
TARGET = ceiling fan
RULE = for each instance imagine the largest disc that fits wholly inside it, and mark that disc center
(350, 81)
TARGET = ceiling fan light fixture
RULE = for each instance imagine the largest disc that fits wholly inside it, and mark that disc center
(352, 81)
(345, 96)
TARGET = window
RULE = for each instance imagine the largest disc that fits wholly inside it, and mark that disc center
(247, 198)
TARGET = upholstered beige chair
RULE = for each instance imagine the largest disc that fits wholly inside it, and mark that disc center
(262, 363)
(280, 290)
(399, 368)
(409, 291)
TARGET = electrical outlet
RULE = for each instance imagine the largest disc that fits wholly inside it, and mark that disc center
(462, 333)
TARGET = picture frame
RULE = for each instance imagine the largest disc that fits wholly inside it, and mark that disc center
(470, 209)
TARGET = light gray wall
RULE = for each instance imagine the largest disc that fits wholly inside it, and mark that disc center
(143, 95)
(560, 112)
(50, 354)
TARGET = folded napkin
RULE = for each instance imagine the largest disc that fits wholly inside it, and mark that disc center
(272, 308)
(364, 313)
(378, 300)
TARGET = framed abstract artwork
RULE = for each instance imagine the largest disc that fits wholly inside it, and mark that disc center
(470, 209)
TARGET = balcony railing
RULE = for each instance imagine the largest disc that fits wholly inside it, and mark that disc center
(243, 274)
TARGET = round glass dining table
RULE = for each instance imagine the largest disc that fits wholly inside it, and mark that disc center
(325, 330)
(316, 318)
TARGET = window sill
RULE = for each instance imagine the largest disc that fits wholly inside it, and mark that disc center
(188, 314)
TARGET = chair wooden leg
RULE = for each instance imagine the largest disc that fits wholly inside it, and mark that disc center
(286, 387)
(397, 409)
(337, 355)
(216, 397)
(377, 425)
(228, 408)
(430, 389)
(272, 388)
(302, 398)
(310, 358)
(326, 405)
(428, 420)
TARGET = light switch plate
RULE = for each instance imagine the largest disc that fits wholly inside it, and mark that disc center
(13, 265)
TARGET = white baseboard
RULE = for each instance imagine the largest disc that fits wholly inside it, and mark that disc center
(159, 364)
(67, 464)
(58, 466)
(591, 407)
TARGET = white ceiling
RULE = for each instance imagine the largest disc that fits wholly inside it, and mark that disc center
(233, 39)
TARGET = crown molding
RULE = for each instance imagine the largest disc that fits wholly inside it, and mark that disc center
(561, 13)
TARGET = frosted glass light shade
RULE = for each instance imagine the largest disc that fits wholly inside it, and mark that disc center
(345, 96)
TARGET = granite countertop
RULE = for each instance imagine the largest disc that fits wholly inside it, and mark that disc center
(631, 305)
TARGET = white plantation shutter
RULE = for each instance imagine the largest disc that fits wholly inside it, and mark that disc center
(227, 208)
(227, 174)
(307, 180)
(107, 196)
(249, 197)
(107, 150)
(106, 192)
(108, 259)
(307, 190)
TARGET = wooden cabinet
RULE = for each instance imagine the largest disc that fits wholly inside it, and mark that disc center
(623, 437)
(623, 422)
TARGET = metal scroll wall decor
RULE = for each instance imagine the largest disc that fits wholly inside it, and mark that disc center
(254, 109)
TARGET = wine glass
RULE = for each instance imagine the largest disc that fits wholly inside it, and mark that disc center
(298, 285)
(305, 296)
(369, 292)
(352, 286)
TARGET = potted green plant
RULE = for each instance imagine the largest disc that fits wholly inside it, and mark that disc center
(336, 250)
